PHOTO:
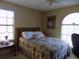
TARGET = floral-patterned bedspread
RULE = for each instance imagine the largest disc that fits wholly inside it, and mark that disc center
(45, 46)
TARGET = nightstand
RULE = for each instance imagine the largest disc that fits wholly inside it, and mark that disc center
(8, 45)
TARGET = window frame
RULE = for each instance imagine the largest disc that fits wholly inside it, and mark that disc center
(6, 25)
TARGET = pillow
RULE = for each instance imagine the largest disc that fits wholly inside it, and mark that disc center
(38, 34)
(26, 35)
(32, 35)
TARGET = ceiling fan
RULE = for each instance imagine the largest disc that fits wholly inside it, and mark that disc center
(50, 2)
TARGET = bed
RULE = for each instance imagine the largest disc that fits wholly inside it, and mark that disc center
(42, 48)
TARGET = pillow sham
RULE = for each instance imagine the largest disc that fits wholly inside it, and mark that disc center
(32, 35)
(26, 35)
(38, 34)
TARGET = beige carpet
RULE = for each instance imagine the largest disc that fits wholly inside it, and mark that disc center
(72, 56)
(21, 56)
(11, 56)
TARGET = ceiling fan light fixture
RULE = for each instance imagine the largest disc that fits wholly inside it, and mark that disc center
(50, 2)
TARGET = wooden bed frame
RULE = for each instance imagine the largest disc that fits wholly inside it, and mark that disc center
(19, 30)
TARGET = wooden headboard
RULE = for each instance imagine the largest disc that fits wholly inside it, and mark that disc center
(19, 30)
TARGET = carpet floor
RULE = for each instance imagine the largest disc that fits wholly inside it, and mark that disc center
(11, 56)
(21, 56)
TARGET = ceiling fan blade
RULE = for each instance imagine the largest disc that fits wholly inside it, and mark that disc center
(50, 2)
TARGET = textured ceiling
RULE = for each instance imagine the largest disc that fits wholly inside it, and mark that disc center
(43, 4)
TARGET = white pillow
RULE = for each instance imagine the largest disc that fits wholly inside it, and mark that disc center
(38, 34)
(29, 35)
(26, 35)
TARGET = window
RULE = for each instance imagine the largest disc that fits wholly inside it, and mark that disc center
(6, 25)
(70, 25)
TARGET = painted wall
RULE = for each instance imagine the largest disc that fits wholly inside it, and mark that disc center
(27, 17)
(60, 14)
(24, 17)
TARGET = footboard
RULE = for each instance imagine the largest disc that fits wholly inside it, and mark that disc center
(35, 51)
